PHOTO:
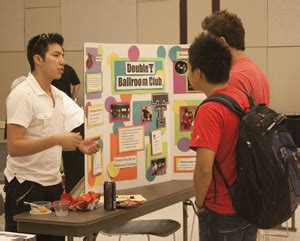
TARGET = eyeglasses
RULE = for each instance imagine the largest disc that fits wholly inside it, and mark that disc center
(43, 37)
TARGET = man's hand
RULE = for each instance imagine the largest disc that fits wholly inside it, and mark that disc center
(18, 145)
(69, 140)
(199, 208)
(89, 146)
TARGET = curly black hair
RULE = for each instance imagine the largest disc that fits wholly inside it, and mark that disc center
(212, 57)
(227, 25)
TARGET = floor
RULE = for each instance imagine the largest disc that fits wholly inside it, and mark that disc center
(175, 212)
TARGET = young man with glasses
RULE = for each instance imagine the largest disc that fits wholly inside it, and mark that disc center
(37, 132)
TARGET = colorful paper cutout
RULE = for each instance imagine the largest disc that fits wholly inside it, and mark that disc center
(180, 134)
(112, 171)
(93, 181)
(156, 142)
(184, 164)
(137, 107)
(149, 176)
(94, 82)
(128, 173)
(94, 115)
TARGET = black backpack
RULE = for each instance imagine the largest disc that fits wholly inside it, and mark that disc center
(267, 189)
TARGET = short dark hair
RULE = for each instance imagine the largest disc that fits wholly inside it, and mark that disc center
(227, 25)
(39, 45)
(212, 57)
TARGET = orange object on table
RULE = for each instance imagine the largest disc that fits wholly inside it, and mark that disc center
(86, 201)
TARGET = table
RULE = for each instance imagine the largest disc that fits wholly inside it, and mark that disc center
(85, 223)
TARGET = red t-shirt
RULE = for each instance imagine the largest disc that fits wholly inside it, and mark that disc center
(247, 76)
(216, 128)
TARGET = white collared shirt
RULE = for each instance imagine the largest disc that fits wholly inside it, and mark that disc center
(73, 113)
(29, 106)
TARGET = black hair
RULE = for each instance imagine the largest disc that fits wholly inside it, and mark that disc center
(39, 45)
(227, 25)
(212, 57)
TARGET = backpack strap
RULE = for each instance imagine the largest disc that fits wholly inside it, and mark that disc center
(234, 106)
(251, 100)
(218, 168)
(228, 101)
(215, 185)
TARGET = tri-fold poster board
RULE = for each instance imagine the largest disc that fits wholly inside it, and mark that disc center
(138, 99)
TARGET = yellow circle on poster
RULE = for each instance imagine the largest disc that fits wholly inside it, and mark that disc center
(112, 171)
(111, 57)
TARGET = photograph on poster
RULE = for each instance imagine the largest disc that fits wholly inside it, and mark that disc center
(179, 131)
(146, 113)
(89, 61)
(186, 114)
(137, 107)
(158, 166)
(93, 60)
(119, 112)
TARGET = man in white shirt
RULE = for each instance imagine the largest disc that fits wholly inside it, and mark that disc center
(37, 131)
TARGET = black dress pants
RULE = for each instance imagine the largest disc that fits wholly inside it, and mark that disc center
(17, 193)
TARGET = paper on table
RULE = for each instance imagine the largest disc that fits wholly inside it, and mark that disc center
(133, 197)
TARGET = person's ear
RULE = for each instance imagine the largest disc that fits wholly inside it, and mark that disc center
(38, 60)
(201, 75)
(223, 41)
(197, 73)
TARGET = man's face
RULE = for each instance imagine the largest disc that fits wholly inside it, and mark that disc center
(193, 77)
(53, 65)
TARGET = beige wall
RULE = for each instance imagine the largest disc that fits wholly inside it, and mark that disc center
(272, 33)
